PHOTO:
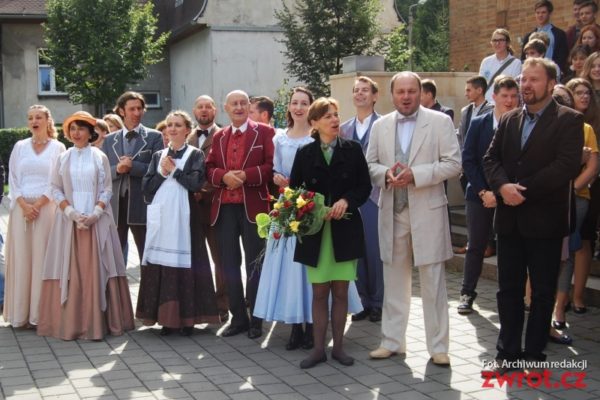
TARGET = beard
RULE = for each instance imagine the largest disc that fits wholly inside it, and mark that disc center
(205, 121)
(534, 98)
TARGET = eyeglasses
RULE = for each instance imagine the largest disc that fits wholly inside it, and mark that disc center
(581, 93)
(498, 40)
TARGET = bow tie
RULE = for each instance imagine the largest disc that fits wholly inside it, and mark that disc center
(411, 118)
(200, 132)
(130, 135)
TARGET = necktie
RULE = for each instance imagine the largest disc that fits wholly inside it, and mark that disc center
(200, 132)
(130, 135)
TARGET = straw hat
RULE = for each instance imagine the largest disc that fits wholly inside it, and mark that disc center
(79, 116)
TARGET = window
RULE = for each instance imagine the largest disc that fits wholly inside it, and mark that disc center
(178, 3)
(47, 84)
(152, 99)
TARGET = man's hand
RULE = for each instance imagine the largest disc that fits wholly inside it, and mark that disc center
(232, 181)
(511, 194)
(402, 179)
(489, 199)
(124, 165)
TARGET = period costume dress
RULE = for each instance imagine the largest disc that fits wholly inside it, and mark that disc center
(29, 177)
(85, 293)
(176, 289)
(284, 291)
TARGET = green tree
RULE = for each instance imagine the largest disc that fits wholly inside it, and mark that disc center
(395, 48)
(431, 36)
(98, 47)
(318, 34)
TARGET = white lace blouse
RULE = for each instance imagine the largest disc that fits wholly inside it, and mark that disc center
(86, 173)
(30, 173)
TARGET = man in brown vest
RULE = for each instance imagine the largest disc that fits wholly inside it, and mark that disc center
(205, 111)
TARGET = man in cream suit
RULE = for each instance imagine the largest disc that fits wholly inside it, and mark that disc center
(412, 151)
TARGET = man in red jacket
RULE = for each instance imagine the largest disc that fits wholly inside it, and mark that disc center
(240, 166)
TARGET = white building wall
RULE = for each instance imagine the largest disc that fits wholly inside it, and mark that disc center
(20, 76)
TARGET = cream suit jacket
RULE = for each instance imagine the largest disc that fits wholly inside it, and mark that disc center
(434, 157)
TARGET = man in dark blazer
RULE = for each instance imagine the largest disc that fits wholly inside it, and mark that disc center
(370, 267)
(129, 153)
(480, 200)
(429, 98)
(558, 49)
(205, 111)
(534, 155)
(239, 167)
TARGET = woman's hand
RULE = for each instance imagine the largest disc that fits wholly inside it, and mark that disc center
(337, 210)
(281, 180)
(167, 165)
(29, 211)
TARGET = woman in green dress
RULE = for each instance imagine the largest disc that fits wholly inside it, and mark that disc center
(336, 168)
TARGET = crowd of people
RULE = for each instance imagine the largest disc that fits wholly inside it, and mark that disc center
(525, 144)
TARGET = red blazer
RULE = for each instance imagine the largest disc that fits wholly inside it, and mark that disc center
(258, 167)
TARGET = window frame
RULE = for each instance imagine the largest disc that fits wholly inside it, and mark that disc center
(53, 91)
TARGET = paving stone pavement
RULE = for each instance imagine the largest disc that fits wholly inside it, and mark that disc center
(144, 365)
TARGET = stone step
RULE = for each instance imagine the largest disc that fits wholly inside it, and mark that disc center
(458, 216)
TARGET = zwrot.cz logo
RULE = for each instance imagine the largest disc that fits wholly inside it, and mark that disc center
(534, 374)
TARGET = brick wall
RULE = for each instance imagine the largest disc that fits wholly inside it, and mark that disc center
(473, 21)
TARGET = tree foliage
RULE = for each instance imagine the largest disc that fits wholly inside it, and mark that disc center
(395, 48)
(431, 36)
(98, 47)
(318, 34)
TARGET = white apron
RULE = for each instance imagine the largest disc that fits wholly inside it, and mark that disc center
(168, 237)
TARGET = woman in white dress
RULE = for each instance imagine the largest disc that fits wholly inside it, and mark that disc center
(85, 293)
(31, 216)
(284, 293)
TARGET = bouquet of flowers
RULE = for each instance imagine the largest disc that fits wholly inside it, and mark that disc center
(297, 212)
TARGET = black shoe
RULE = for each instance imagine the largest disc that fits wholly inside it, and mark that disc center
(308, 342)
(311, 362)
(343, 359)
(579, 310)
(187, 331)
(166, 331)
(560, 325)
(255, 330)
(375, 315)
(361, 315)
(465, 304)
(296, 337)
(562, 339)
(234, 330)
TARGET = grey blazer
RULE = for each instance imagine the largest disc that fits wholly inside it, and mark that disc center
(347, 132)
(149, 143)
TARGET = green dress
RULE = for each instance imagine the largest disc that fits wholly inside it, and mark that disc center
(327, 268)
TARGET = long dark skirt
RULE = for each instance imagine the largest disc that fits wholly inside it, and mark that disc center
(180, 297)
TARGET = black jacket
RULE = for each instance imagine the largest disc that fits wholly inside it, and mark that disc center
(347, 176)
(561, 48)
(550, 159)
